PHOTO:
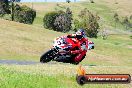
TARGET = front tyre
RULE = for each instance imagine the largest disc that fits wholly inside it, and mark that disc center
(47, 56)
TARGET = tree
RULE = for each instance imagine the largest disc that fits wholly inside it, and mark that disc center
(24, 14)
(91, 1)
(49, 19)
(2, 11)
(17, 0)
(4, 7)
(116, 19)
(63, 21)
(12, 10)
(58, 20)
(68, 1)
(89, 22)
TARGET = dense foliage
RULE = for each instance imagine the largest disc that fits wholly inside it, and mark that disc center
(116, 19)
(4, 7)
(89, 22)
(58, 20)
(49, 19)
(63, 21)
(24, 14)
(126, 23)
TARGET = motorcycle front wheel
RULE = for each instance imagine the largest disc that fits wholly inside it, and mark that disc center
(47, 56)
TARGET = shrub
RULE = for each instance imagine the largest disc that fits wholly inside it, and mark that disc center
(49, 19)
(88, 21)
(92, 1)
(24, 14)
(116, 16)
(63, 21)
(58, 20)
(68, 1)
(116, 19)
(77, 24)
(104, 34)
(4, 7)
(126, 22)
(2, 11)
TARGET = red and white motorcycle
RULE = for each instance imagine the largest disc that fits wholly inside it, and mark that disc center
(60, 51)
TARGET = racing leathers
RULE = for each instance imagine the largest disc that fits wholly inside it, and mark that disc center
(81, 52)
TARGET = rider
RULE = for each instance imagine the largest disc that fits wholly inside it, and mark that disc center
(80, 36)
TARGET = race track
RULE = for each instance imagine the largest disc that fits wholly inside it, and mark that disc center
(16, 62)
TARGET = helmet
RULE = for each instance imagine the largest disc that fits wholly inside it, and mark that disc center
(80, 34)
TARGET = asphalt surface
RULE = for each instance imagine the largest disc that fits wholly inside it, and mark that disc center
(16, 62)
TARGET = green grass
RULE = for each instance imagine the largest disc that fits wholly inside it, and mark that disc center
(100, 7)
(106, 14)
(16, 76)
(113, 51)
(12, 79)
(27, 42)
(19, 41)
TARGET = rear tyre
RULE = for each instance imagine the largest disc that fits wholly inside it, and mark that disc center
(47, 56)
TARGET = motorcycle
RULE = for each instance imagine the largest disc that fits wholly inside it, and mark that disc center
(60, 51)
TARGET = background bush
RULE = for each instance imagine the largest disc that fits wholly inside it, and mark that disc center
(49, 19)
(89, 22)
(24, 14)
(126, 22)
(58, 20)
(116, 19)
(91, 1)
(4, 7)
(63, 22)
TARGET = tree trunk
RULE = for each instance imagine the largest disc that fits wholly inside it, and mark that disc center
(12, 11)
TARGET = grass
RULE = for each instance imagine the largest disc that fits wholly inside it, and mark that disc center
(106, 14)
(24, 40)
(105, 9)
(100, 7)
(27, 42)
(26, 80)
(113, 51)
(41, 76)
